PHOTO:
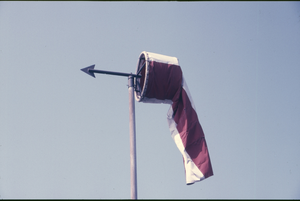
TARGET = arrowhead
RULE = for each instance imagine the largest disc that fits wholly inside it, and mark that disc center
(86, 70)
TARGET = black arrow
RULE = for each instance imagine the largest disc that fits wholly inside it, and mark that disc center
(90, 71)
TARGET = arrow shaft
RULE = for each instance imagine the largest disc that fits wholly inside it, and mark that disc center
(113, 73)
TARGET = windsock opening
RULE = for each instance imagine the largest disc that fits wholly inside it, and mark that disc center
(143, 70)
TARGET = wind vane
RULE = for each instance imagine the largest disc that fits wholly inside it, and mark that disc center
(159, 79)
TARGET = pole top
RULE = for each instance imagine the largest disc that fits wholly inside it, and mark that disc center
(130, 81)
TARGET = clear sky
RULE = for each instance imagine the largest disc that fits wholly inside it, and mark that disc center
(64, 134)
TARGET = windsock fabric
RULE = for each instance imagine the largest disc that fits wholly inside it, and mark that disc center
(162, 82)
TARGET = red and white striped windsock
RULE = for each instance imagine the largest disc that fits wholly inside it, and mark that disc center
(162, 82)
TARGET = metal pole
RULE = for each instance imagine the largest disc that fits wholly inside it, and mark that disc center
(133, 179)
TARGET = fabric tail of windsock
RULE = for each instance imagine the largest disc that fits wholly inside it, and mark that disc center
(162, 82)
(189, 137)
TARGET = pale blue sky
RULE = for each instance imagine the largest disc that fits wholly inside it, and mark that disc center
(64, 134)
